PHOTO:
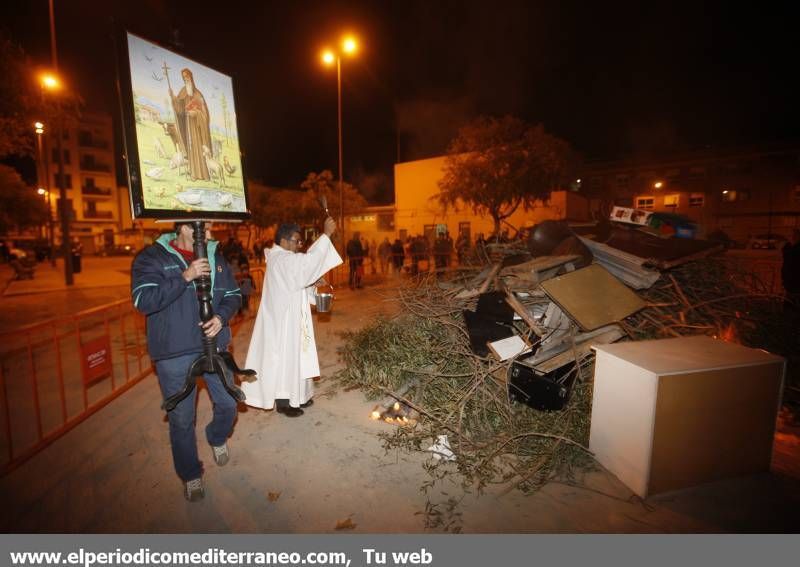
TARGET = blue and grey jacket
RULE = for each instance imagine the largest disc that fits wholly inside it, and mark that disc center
(173, 314)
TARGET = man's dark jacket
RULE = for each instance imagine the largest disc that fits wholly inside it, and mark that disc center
(159, 291)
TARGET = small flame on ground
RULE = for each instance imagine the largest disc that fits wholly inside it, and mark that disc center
(729, 334)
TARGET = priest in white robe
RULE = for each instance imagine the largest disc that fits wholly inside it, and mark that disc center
(282, 348)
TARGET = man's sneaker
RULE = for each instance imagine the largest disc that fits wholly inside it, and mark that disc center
(221, 455)
(193, 490)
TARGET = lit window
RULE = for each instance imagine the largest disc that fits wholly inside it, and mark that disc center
(697, 200)
(671, 200)
(646, 203)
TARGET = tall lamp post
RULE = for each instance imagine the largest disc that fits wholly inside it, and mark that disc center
(348, 46)
(51, 83)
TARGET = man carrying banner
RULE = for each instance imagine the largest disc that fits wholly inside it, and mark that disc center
(163, 288)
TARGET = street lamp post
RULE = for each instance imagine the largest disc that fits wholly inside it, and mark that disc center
(50, 82)
(348, 47)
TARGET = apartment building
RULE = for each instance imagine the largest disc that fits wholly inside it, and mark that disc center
(743, 192)
(90, 178)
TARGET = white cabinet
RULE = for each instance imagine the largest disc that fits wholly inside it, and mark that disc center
(674, 413)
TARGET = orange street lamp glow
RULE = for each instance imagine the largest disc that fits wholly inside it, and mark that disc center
(50, 81)
(328, 57)
(658, 184)
(41, 191)
(349, 45)
(38, 125)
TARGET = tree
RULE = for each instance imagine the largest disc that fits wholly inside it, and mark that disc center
(22, 102)
(323, 183)
(18, 103)
(271, 206)
(496, 165)
(20, 206)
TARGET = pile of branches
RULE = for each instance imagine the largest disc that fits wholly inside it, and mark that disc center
(423, 359)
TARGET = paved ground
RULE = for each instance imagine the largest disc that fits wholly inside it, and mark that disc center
(113, 473)
(101, 281)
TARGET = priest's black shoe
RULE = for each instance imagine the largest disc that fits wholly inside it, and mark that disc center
(289, 411)
(308, 404)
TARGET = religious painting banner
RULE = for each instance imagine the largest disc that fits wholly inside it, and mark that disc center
(181, 135)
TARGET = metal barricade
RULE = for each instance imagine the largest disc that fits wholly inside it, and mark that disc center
(55, 374)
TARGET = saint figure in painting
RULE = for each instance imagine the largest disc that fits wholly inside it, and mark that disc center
(194, 131)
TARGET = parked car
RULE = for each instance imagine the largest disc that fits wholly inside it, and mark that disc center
(118, 250)
(767, 242)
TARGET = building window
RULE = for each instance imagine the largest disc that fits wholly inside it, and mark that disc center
(731, 195)
(646, 203)
(386, 222)
(65, 153)
(671, 200)
(697, 171)
(69, 208)
(67, 181)
(697, 200)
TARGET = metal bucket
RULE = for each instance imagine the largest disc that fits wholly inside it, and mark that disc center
(324, 299)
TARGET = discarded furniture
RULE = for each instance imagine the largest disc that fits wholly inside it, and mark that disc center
(627, 267)
(674, 413)
(592, 297)
(661, 253)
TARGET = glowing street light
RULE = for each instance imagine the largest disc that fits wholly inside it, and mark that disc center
(50, 82)
(658, 184)
(349, 46)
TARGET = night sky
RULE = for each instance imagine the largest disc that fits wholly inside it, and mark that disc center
(613, 79)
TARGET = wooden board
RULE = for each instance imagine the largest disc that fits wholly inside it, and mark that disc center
(592, 297)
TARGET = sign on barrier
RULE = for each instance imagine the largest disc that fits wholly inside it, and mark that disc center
(96, 359)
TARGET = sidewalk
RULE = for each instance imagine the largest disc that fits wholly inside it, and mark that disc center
(96, 273)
